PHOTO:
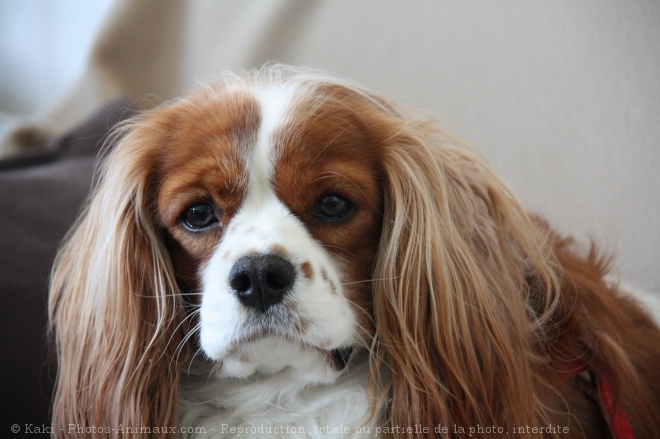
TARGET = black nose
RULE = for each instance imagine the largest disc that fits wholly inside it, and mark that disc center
(261, 281)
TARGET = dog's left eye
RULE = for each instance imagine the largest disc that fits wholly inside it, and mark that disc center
(333, 207)
(199, 216)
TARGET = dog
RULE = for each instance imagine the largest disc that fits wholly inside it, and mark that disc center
(288, 254)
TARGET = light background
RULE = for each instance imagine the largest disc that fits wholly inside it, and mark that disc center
(563, 97)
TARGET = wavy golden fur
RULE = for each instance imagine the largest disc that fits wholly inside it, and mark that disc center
(479, 309)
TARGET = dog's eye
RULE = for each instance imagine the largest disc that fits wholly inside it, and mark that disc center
(333, 207)
(198, 217)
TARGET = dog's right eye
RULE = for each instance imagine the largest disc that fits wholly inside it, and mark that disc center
(198, 217)
(333, 208)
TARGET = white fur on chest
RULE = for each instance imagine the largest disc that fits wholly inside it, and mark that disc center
(278, 406)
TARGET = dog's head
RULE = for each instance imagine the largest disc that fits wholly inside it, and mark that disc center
(270, 196)
(288, 220)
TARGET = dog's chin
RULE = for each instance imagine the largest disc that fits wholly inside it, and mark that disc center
(272, 355)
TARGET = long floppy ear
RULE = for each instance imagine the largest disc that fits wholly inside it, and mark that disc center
(450, 292)
(114, 307)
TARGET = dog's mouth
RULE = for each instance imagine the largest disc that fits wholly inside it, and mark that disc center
(271, 329)
(338, 358)
(257, 354)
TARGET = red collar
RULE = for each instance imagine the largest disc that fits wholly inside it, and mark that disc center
(615, 416)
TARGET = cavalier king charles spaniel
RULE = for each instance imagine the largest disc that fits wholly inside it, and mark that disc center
(287, 254)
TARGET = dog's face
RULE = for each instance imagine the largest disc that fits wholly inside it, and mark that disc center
(271, 202)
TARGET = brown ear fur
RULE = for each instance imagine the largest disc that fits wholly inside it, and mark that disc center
(114, 309)
(474, 303)
(449, 282)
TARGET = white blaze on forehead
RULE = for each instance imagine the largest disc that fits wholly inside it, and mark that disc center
(275, 103)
